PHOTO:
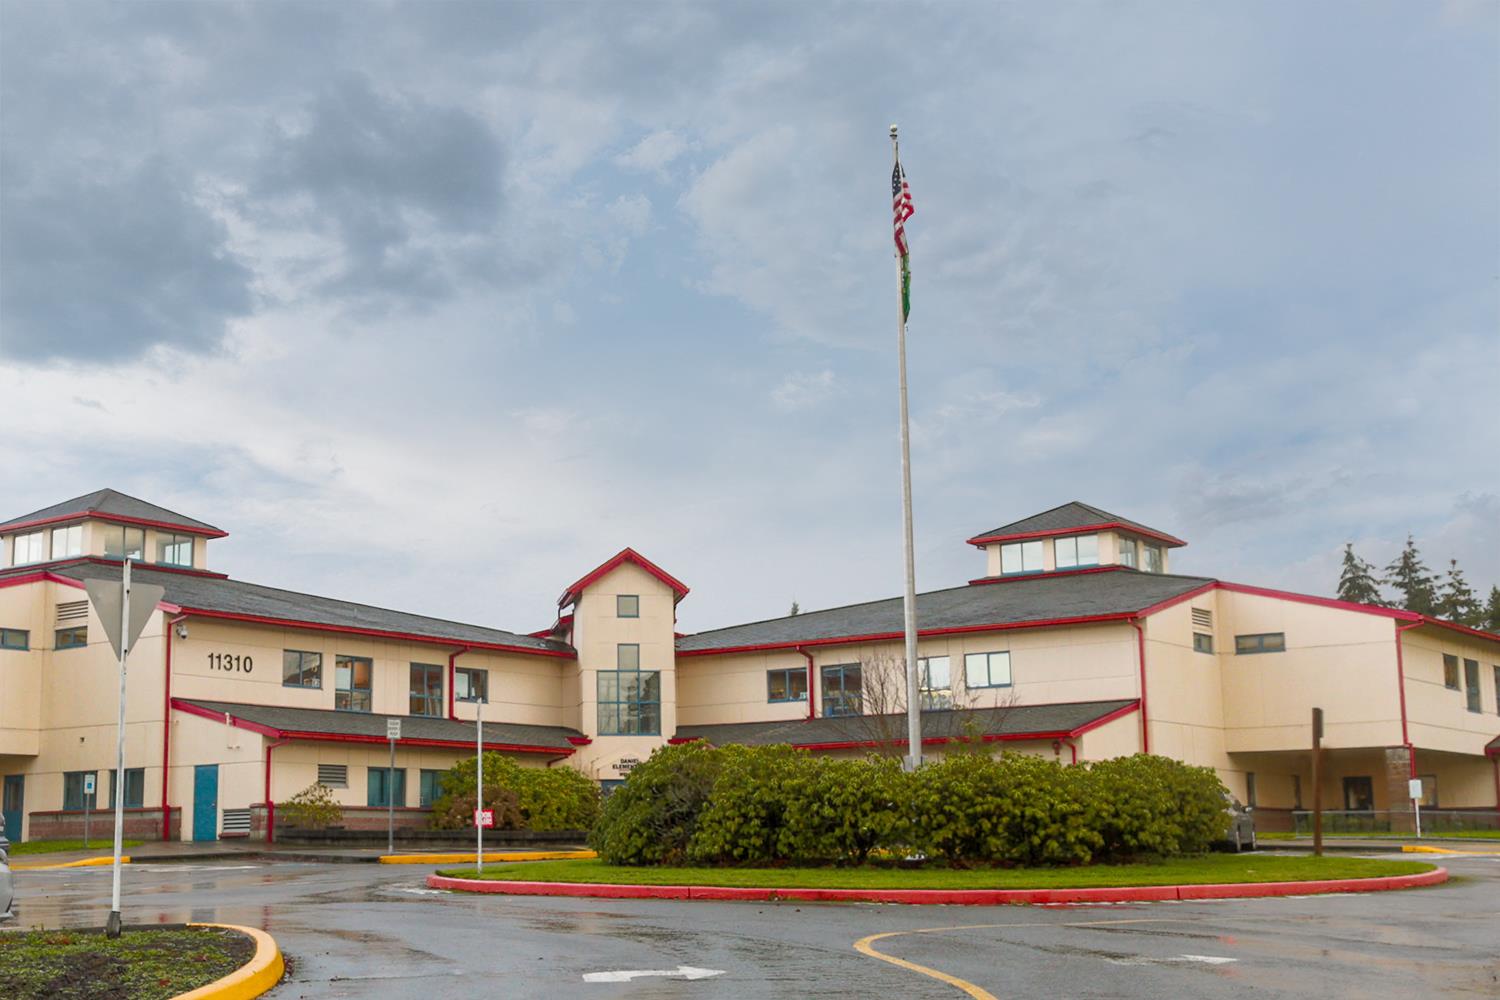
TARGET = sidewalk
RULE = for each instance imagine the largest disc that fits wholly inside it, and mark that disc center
(1386, 845)
(222, 851)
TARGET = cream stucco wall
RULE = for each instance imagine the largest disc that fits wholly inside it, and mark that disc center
(1438, 717)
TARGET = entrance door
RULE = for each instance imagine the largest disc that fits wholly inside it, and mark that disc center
(206, 802)
(11, 803)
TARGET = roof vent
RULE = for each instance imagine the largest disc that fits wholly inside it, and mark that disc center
(73, 611)
(1203, 618)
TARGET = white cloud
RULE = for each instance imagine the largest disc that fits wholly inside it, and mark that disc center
(655, 152)
(804, 390)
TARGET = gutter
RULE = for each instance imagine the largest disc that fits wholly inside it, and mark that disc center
(270, 803)
(452, 715)
(1140, 636)
(166, 732)
(812, 700)
(1411, 754)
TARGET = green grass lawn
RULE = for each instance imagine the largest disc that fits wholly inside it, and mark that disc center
(1177, 871)
(138, 965)
(100, 844)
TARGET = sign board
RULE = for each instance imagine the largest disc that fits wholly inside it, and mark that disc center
(1414, 788)
(393, 729)
(107, 595)
(88, 783)
(484, 817)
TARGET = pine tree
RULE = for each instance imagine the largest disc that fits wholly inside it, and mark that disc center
(1357, 581)
(1456, 602)
(1412, 581)
(1492, 611)
(796, 609)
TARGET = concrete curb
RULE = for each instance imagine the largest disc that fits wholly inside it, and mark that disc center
(964, 897)
(1460, 852)
(81, 863)
(458, 859)
(251, 979)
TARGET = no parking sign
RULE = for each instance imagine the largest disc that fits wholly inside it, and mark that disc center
(484, 817)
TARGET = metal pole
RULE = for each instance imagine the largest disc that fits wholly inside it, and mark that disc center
(390, 803)
(112, 926)
(1317, 780)
(478, 783)
(87, 801)
(909, 604)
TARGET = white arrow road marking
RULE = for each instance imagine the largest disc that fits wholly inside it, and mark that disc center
(193, 868)
(1210, 959)
(626, 975)
(1169, 960)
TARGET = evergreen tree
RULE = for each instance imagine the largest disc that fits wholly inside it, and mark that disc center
(1357, 581)
(1492, 611)
(1456, 602)
(1412, 580)
(796, 608)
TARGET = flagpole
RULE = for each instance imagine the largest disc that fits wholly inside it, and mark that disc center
(909, 604)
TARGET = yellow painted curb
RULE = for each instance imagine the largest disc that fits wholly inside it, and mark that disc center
(83, 863)
(251, 979)
(456, 859)
(1424, 849)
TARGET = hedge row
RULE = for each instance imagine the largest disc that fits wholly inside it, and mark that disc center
(523, 798)
(733, 805)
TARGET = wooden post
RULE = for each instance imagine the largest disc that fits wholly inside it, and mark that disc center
(1317, 781)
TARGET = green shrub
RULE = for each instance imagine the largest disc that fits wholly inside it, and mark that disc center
(842, 811)
(1154, 805)
(747, 805)
(313, 808)
(650, 820)
(525, 798)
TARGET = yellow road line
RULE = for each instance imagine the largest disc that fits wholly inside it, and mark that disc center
(454, 859)
(84, 863)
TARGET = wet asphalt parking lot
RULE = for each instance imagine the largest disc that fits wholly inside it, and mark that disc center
(362, 930)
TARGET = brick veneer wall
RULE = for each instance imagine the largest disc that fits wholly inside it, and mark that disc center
(67, 824)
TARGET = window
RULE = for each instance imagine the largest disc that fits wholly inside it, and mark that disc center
(73, 797)
(1250, 788)
(628, 656)
(1471, 685)
(1153, 561)
(1081, 550)
(124, 542)
(429, 787)
(1429, 799)
(19, 638)
(1266, 642)
(352, 676)
(1359, 794)
(1021, 557)
(629, 702)
(301, 669)
(843, 689)
(67, 542)
(333, 775)
(1296, 791)
(380, 782)
(471, 684)
(29, 549)
(1128, 552)
(1450, 672)
(72, 638)
(786, 685)
(1203, 642)
(937, 681)
(135, 787)
(983, 670)
(627, 606)
(426, 689)
(173, 549)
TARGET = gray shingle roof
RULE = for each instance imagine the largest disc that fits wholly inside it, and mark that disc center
(1018, 720)
(1011, 602)
(210, 593)
(112, 502)
(326, 722)
(1070, 515)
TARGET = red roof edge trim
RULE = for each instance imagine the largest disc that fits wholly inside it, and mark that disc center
(931, 741)
(1082, 529)
(677, 741)
(1118, 713)
(844, 640)
(1456, 627)
(1169, 602)
(580, 741)
(625, 555)
(91, 515)
(1325, 602)
(223, 718)
(1018, 577)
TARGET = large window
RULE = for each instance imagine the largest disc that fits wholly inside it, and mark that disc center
(73, 797)
(353, 678)
(1152, 563)
(301, 669)
(426, 689)
(29, 548)
(629, 702)
(786, 685)
(124, 542)
(1450, 672)
(937, 682)
(71, 638)
(843, 689)
(381, 782)
(173, 549)
(429, 787)
(627, 606)
(1081, 550)
(15, 638)
(135, 787)
(1471, 684)
(984, 670)
(1021, 557)
(1265, 642)
(471, 684)
(67, 542)
(1128, 552)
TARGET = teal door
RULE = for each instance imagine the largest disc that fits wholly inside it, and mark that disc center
(11, 804)
(206, 802)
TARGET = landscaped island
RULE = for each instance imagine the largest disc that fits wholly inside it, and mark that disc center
(152, 964)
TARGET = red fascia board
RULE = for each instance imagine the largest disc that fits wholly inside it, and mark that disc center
(1169, 602)
(373, 632)
(1463, 629)
(222, 719)
(157, 567)
(677, 741)
(931, 741)
(926, 633)
(1325, 602)
(580, 741)
(1082, 529)
(1106, 718)
(91, 515)
(679, 588)
(1018, 577)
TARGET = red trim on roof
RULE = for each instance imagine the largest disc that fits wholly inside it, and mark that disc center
(1118, 713)
(44, 576)
(623, 556)
(1017, 577)
(144, 522)
(1082, 529)
(1456, 627)
(224, 718)
(139, 565)
(1169, 602)
(1057, 734)
(1326, 602)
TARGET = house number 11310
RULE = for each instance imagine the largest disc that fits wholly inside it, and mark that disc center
(230, 662)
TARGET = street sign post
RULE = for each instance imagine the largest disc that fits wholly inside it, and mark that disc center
(1414, 789)
(1317, 779)
(479, 781)
(123, 620)
(392, 733)
(90, 783)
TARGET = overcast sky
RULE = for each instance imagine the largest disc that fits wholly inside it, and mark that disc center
(438, 305)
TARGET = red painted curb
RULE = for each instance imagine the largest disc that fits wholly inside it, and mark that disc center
(963, 897)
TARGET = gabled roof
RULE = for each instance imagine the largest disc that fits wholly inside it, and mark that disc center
(112, 505)
(569, 596)
(1014, 723)
(1070, 518)
(218, 597)
(1030, 602)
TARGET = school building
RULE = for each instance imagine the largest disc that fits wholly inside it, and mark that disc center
(1077, 642)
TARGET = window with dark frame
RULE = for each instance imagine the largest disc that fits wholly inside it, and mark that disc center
(1264, 642)
(429, 787)
(29, 548)
(173, 549)
(629, 701)
(1128, 552)
(67, 542)
(471, 684)
(1471, 685)
(1250, 788)
(73, 796)
(1450, 671)
(1021, 557)
(1153, 561)
(380, 782)
(628, 656)
(353, 681)
(1076, 551)
(843, 689)
(936, 675)
(301, 669)
(1359, 794)
(788, 684)
(135, 787)
(124, 542)
(1203, 642)
(426, 690)
(627, 606)
(15, 638)
(987, 670)
(71, 638)
(1296, 791)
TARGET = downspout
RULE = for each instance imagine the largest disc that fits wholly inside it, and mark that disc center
(1411, 754)
(452, 717)
(1140, 635)
(1073, 747)
(166, 733)
(271, 805)
(812, 700)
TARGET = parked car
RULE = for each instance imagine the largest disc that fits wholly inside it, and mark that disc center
(1241, 835)
(7, 886)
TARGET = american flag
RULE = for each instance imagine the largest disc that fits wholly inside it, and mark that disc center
(902, 206)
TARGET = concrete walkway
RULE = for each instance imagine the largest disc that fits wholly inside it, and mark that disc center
(159, 851)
